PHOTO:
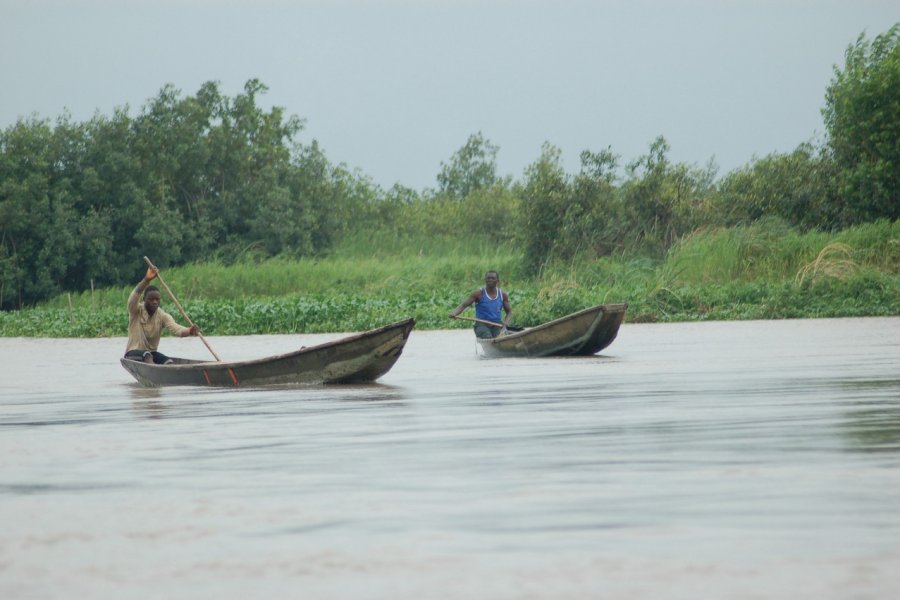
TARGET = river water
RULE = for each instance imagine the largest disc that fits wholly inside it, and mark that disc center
(702, 460)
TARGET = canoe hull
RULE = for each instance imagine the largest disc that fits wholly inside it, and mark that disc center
(580, 334)
(358, 358)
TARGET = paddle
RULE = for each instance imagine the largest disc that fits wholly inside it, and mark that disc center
(183, 314)
(491, 323)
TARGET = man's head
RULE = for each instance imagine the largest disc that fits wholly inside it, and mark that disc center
(491, 279)
(152, 298)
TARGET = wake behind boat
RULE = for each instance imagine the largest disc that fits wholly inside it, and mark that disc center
(359, 358)
(580, 334)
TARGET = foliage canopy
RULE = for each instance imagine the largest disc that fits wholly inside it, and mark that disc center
(209, 177)
(862, 117)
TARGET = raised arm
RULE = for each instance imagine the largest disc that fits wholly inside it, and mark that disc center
(135, 297)
(472, 299)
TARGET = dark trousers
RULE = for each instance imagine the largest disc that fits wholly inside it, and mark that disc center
(486, 331)
(138, 355)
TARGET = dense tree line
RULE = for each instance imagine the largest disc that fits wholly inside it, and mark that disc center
(852, 177)
(189, 178)
(212, 177)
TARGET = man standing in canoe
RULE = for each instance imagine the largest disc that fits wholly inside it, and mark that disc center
(146, 321)
(488, 301)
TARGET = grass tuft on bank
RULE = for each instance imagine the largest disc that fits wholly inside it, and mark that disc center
(763, 271)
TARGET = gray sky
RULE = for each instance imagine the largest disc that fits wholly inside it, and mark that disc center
(394, 87)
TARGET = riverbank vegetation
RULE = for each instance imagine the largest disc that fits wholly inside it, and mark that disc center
(257, 232)
(762, 271)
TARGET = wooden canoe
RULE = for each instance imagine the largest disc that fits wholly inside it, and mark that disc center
(582, 333)
(354, 359)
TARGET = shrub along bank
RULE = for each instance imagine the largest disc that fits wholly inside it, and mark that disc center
(764, 271)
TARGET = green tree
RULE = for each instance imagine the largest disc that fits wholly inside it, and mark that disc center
(593, 221)
(799, 187)
(649, 211)
(545, 196)
(862, 118)
(188, 178)
(392, 210)
(663, 201)
(34, 226)
(112, 185)
(472, 167)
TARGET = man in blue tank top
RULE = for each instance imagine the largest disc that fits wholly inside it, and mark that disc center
(488, 301)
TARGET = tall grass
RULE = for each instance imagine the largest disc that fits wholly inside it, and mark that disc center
(767, 270)
(377, 265)
(771, 251)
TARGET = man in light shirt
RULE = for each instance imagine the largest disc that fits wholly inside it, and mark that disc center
(146, 321)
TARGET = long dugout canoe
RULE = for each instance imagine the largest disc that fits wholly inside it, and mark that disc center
(582, 333)
(358, 358)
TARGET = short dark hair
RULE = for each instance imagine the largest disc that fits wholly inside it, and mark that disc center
(492, 271)
(151, 288)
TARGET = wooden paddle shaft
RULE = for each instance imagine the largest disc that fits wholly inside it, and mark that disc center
(491, 323)
(183, 313)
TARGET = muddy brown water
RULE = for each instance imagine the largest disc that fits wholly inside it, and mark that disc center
(717, 460)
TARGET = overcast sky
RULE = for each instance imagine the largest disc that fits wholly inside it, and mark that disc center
(395, 87)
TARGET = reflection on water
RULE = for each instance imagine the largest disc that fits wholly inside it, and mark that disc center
(756, 459)
(149, 409)
(872, 419)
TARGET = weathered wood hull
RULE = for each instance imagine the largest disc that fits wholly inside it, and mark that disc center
(354, 359)
(579, 334)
